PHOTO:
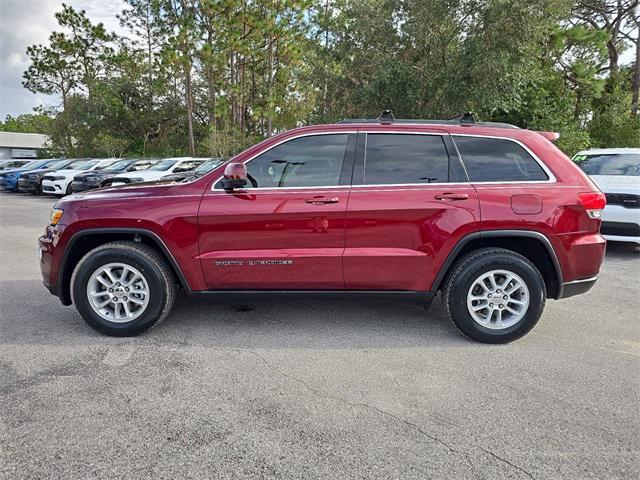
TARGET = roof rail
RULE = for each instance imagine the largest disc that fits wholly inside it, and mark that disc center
(387, 118)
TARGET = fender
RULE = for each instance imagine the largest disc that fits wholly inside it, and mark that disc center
(65, 297)
(499, 233)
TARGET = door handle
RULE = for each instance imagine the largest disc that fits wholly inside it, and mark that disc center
(451, 196)
(322, 200)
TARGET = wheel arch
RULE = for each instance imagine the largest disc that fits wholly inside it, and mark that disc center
(533, 245)
(86, 240)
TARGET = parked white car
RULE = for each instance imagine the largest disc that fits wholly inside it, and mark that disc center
(58, 182)
(616, 171)
(156, 172)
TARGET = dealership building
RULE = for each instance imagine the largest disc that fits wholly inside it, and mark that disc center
(21, 145)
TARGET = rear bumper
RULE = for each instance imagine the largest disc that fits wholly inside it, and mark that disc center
(577, 287)
(580, 254)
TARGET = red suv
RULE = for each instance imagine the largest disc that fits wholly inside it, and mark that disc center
(493, 217)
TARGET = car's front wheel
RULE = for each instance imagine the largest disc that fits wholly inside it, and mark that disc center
(494, 295)
(123, 288)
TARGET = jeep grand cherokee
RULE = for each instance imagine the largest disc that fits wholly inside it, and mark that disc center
(493, 217)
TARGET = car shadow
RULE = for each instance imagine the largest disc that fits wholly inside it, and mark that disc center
(271, 324)
(622, 250)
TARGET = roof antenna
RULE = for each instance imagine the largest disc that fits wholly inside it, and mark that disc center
(467, 117)
(386, 117)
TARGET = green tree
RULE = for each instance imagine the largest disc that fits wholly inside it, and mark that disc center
(27, 123)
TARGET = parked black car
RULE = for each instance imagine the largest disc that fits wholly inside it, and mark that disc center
(103, 178)
(204, 168)
(31, 181)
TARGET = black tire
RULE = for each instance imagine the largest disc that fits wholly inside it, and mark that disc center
(156, 271)
(469, 268)
(69, 189)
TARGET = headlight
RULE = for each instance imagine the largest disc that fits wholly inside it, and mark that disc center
(56, 215)
(32, 176)
(90, 179)
(59, 177)
(136, 180)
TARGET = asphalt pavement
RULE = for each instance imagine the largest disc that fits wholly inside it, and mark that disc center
(313, 389)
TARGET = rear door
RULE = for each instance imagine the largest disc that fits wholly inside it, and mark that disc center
(286, 230)
(409, 205)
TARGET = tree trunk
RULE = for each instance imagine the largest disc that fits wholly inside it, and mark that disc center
(189, 101)
(270, 90)
(613, 57)
(150, 64)
(635, 86)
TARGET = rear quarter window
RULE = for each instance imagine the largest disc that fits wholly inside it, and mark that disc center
(497, 160)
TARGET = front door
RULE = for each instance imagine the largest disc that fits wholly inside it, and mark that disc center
(285, 230)
(409, 205)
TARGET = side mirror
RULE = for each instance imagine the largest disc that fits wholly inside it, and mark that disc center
(235, 176)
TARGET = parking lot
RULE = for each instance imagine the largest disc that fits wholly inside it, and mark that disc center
(313, 389)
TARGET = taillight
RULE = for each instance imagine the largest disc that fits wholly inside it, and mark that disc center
(593, 203)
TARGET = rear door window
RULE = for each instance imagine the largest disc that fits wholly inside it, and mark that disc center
(405, 159)
(497, 160)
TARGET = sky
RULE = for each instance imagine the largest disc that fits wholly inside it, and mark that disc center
(27, 22)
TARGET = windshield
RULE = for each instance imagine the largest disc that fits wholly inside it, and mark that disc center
(86, 165)
(118, 166)
(60, 164)
(34, 165)
(163, 165)
(76, 164)
(610, 164)
(207, 166)
(105, 166)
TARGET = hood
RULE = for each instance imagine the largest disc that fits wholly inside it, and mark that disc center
(178, 176)
(141, 174)
(39, 171)
(68, 173)
(124, 191)
(617, 183)
(13, 170)
(98, 173)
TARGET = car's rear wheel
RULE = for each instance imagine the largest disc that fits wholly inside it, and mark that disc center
(494, 295)
(123, 288)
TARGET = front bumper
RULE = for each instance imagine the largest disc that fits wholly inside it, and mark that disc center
(25, 185)
(54, 187)
(47, 244)
(621, 224)
(8, 184)
(79, 186)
